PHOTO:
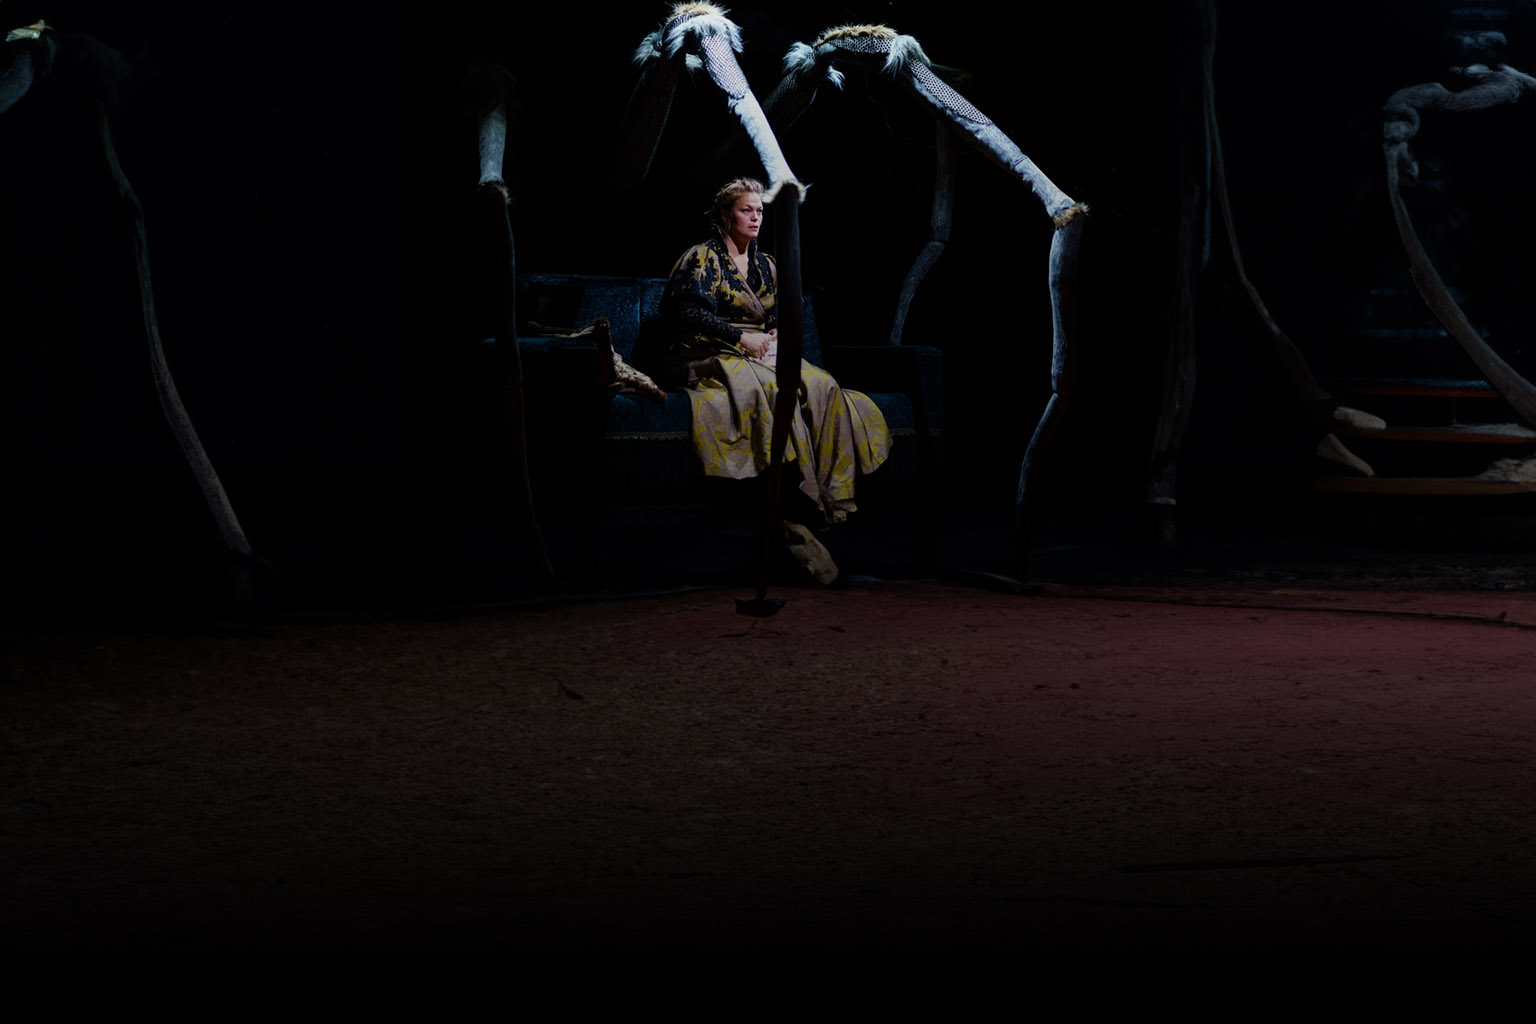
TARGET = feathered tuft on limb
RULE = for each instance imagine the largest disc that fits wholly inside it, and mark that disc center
(649, 48)
(1068, 215)
(776, 187)
(904, 50)
(668, 39)
(701, 20)
(802, 60)
(32, 31)
(832, 35)
(899, 50)
(698, 9)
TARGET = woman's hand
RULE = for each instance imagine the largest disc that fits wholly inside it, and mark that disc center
(757, 342)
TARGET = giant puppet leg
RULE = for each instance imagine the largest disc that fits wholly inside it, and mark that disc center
(29, 53)
(1319, 403)
(170, 398)
(939, 224)
(875, 48)
(1494, 87)
(1202, 182)
(491, 86)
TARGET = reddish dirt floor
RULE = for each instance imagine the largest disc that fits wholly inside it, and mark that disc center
(913, 770)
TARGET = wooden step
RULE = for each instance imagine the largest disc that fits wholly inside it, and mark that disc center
(1456, 433)
(1448, 485)
(1425, 387)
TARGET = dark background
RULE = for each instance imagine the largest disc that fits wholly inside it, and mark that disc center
(306, 183)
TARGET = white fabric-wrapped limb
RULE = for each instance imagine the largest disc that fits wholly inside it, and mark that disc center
(878, 48)
(493, 144)
(928, 87)
(704, 37)
(1493, 88)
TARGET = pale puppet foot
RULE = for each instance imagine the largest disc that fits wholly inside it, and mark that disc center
(1332, 449)
(1359, 420)
(1515, 471)
(812, 555)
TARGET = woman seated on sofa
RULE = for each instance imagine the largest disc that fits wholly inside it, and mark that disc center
(720, 297)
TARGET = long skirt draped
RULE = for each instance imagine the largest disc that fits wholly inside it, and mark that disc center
(837, 434)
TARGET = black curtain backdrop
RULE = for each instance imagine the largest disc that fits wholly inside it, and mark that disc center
(305, 180)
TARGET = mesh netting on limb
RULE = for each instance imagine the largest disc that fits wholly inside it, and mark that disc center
(879, 49)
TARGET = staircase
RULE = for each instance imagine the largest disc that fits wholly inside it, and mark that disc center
(1448, 431)
(1444, 436)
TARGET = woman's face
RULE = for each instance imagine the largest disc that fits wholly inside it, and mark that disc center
(745, 217)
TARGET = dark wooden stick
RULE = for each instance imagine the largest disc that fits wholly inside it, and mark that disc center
(791, 310)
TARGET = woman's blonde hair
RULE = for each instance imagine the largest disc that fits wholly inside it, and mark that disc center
(726, 198)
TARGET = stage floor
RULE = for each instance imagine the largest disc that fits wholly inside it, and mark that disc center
(911, 770)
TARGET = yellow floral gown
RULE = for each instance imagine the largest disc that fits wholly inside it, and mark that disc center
(836, 435)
